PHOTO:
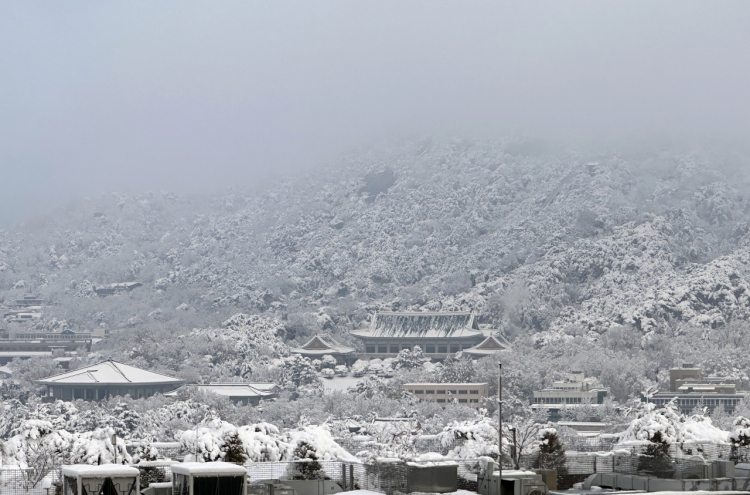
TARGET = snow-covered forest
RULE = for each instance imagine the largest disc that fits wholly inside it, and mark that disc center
(621, 264)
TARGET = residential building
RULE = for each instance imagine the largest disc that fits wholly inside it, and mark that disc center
(688, 389)
(469, 394)
(30, 301)
(28, 345)
(320, 346)
(116, 288)
(438, 334)
(105, 379)
(22, 316)
(572, 392)
(241, 393)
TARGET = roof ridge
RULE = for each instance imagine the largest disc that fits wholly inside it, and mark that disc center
(114, 363)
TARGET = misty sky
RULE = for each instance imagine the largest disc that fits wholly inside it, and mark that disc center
(188, 96)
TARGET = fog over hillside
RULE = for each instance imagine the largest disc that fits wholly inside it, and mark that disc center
(537, 238)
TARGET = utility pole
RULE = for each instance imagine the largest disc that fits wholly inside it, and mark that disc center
(500, 428)
(514, 450)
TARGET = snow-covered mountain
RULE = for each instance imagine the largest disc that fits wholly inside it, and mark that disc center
(537, 239)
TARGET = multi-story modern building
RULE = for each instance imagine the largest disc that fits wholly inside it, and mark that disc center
(438, 334)
(470, 394)
(569, 393)
(688, 389)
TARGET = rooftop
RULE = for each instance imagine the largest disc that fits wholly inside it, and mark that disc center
(109, 373)
(209, 469)
(479, 384)
(103, 470)
(239, 389)
(488, 346)
(320, 345)
(422, 324)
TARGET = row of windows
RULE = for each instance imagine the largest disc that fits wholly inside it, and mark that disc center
(559, 400)
(461, 401)
(39, 348)
(430, 349)
(454, 392)
(695, 402)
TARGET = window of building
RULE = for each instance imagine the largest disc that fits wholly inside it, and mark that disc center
(429, 391)
(475, 392)
(370, 349)
(462, 392)
(473, 400)
(406, 347)
(430, 349)
(394, 349)
(441, 392)
(419, 392)
(441, 400)
(464, 347)
(462, 401)
(455, 348)
(442, 349)
(382, 349)
(452, 391)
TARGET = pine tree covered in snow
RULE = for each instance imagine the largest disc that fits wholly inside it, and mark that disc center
(551, 451)
(233, 449)
(656, 459)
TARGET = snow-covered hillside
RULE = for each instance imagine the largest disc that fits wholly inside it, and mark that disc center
(539, 240)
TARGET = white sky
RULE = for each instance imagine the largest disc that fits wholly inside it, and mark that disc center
(196, 96)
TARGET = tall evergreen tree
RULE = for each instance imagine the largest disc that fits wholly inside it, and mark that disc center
(233, 449)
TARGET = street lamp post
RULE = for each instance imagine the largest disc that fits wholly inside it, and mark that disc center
(500, 428)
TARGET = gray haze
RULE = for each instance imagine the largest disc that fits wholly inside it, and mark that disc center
(138, 96)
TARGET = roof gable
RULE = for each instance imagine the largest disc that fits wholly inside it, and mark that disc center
(325, 345)
(316, 343)
(490, 344)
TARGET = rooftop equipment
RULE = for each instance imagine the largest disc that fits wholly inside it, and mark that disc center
(105, 479)
(208, 478)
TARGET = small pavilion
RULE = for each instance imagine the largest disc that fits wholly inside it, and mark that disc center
(319, 346)
(489, 346)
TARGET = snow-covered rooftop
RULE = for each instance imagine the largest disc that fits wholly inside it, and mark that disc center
(240, 389)
(488, 346)
(452, 324)
(209, 469)
(100, 471)
(109, 373)
(320, 345)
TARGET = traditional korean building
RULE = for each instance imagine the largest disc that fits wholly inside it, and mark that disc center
(488, 347)
(105, 379)
(438, 334)
(240, 393)
(319, 346)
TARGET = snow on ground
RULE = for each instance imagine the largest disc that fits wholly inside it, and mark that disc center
(340, 382)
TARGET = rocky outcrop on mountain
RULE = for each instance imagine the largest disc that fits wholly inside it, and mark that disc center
(537, 239)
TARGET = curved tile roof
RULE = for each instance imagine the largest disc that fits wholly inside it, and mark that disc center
(422, 324)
